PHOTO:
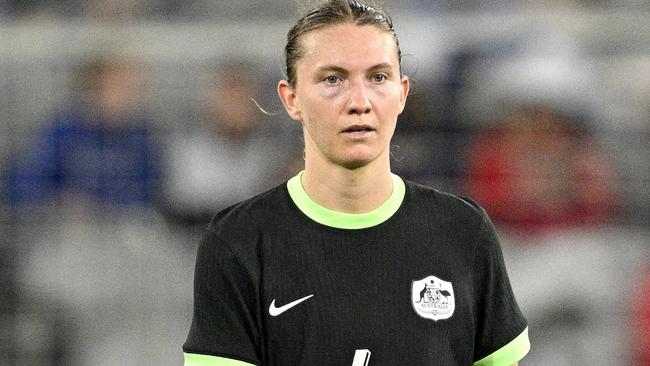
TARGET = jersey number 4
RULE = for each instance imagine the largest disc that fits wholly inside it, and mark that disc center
(361, 357)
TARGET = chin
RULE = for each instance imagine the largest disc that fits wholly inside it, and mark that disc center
(356, 163)
(352, 165)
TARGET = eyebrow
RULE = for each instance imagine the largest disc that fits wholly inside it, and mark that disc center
(382, 66)
(332, 68)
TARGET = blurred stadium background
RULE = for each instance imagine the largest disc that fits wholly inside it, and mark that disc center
(124, 124)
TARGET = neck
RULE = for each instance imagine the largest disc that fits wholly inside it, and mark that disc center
(341, 189)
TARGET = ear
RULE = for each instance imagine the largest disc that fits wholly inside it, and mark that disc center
(290, 100)
(404, 92)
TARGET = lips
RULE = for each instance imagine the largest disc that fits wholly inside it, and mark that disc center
(358, 129)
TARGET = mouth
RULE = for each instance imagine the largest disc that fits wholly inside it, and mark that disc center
(358, 130)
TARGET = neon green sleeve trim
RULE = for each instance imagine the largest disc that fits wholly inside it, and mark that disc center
(508, 354)
(194, 359)
(343, 220)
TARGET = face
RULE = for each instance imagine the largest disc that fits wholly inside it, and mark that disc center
(230, 105)
(120, 88)
(348, 94)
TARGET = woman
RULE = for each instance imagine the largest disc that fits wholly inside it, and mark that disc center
(348, 263)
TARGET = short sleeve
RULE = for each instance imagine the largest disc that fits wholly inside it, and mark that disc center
(501, 331)
(224, 328)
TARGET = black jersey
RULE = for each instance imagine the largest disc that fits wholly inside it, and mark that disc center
(420, 281)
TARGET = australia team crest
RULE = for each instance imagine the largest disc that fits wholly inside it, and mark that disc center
(433, 298)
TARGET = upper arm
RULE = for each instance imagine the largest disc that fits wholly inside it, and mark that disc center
(502, 332)
(224, 328)
(35, 170)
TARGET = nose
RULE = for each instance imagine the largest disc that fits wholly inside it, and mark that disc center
(359, 102)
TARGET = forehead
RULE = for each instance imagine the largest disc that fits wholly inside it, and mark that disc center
(349, 46)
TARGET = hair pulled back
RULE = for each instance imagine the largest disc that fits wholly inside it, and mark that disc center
(334, 12)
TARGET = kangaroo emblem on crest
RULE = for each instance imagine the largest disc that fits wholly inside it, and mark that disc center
(433, 298)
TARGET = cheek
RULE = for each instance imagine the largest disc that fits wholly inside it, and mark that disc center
(330, 92)
(321, 103)
(387, 100)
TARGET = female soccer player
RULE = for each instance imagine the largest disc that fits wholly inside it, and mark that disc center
(346, 263)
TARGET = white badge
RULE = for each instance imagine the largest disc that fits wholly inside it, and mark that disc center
(433, 298)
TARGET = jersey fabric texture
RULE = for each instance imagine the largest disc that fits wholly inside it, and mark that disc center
(280, 280)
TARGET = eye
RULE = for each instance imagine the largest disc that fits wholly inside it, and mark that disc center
(378, 78)
(332, 79)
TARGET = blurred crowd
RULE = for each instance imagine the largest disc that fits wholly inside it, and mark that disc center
(221, 9)
(105, 193)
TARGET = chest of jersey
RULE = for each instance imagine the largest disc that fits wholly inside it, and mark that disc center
(404, 294)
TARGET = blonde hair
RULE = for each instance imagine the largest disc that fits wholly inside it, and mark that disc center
(333, 12)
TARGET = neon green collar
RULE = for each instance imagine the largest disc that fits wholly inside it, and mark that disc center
(342, 220)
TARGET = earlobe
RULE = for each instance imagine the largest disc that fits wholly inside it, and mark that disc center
(289, 100)
(406, 86)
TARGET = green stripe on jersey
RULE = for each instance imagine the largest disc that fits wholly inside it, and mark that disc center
(509, 354)
(194, 359)
(342, 220)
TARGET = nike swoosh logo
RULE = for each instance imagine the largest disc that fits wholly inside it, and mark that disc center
(277, 311)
